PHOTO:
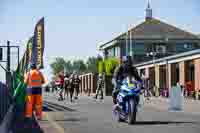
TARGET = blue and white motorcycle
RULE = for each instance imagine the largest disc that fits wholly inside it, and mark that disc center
(127, 101)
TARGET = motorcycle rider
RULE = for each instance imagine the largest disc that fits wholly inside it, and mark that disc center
(124, 69)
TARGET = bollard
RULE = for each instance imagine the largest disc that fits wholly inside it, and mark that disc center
(196, 95)
(176, 99)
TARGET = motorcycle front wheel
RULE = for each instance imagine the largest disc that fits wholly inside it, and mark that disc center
(132, 110)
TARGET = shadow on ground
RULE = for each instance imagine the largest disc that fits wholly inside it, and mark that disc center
(46, 109)
(14, 120)
(21, 125)
(27, 126)
(74, 119)
(70, 120)
(54, 105)
(161, 122)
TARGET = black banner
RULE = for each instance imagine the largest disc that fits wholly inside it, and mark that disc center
(38, 44)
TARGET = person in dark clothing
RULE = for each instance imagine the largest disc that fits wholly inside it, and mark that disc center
(121, 72)
(66, 85)
(71, 85)
(76, 83)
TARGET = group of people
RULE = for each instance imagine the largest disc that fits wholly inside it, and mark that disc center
(69, 83)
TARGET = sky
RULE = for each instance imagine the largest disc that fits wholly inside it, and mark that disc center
(75, 28)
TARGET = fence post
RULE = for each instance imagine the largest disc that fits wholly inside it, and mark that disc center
(92, 80)
(8, 73)
(85, 83)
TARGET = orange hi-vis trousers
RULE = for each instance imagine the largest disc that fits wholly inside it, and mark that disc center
(33, 101)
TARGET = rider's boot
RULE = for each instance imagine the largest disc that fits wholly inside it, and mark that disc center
(114, 96)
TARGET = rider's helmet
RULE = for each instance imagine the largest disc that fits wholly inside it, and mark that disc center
(127, 60)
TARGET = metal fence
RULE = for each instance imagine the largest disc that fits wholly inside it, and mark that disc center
(5, 100)
(88, 83)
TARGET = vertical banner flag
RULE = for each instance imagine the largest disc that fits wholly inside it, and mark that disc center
(24, 63)
(29, 53)
(38, 44)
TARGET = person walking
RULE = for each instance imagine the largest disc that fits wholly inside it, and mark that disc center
(100, 85)
(76, 83)
(145, 84)
(34, 80)
(61, 86)
(66, 85)
(71, 85)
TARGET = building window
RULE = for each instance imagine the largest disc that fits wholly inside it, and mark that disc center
(188, 46)
(180, 47)
(139, 48)
(123, 49)
(112, 52)
(117, 52)
(109, 52)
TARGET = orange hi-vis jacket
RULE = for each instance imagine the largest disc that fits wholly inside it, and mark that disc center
(34, 78)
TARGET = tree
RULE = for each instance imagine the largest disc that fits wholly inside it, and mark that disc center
(68, 67)
(79, 66)
(107, 66)
(92, 64)
(110, 65)
(58, 65)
